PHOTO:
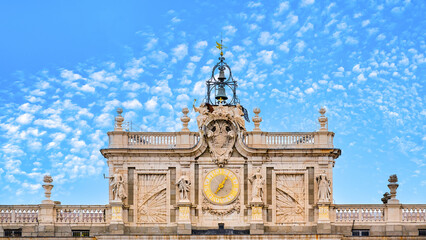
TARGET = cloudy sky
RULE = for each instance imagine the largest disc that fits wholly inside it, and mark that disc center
(66, 65)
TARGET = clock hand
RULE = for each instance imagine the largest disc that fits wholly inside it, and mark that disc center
(221, 185)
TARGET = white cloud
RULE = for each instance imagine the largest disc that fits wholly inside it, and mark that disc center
(162, 88)
(134, 69)
(266, 56)
(254, 4)
(25, 118)
(104, 120)
(152, 104)
(151, 44)
(265, 38)
(69, 75)
(31, 108)
(281, 8)
(309, 91)
(57, 138)
(176, 20)
(195, 58)
(307, 2)
(351, 40)
(365, 23)
(159, 56)
(87, 88)
(381, 37)
(300, 46)
(201, 45)
(199, 88)
(284, 47)
(229, 30)
(133, 104)
(180, 51)
(361, 78)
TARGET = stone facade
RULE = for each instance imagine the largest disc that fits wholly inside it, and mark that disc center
(250, 182)
(220, 180)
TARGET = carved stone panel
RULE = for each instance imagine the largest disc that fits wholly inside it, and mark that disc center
(290, 198)
(152, 202)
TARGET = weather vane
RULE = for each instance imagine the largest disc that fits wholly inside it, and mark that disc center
(220, 45)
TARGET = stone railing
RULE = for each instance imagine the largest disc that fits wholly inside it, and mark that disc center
(414, 212)
(19, 213)
(80, 214)
(162, 140)
(257, 139)
(288, 139)
(360, 213)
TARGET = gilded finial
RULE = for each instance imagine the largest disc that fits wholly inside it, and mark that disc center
(220, 45)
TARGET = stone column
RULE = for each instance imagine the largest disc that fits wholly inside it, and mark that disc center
(393, 211)
(257, 132)
(116, 226)
(46, 214)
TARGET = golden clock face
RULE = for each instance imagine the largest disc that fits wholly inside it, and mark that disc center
(221, 186)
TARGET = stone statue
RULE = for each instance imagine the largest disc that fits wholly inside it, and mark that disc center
(386, 197)
(184, 186)
(257, 182)
(117, 185)
(239, 116)
(324, 189)
(203, 113)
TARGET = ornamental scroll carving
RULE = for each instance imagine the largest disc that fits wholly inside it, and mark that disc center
(152, 198)
(290, 198)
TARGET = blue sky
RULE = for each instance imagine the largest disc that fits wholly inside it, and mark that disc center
(66, 65)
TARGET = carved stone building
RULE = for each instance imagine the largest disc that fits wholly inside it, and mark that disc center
(220, 179)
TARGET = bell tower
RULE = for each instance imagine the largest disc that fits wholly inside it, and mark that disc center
(217, 88)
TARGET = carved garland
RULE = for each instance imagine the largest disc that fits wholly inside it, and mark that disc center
(210, 208)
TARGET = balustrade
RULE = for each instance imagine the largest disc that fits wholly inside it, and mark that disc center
(19, 214)
(360, 213)
(414, 213)
(81, 214)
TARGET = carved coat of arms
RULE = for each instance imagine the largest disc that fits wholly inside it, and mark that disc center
(220, 138)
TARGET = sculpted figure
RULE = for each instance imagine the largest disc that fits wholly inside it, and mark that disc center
(257, 182)
(203, 113)
(117, 184)
(239, 116)
(324, 189)
(184, 186)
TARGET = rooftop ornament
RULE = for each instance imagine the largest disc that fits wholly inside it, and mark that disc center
(217, 87)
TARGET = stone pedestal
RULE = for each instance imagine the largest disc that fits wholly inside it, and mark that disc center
(257, 225)
(116, 225)
(323, 223)
(184, 219)
(46, 226)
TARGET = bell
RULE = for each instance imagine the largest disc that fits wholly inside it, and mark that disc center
(221, 94)
(221, 76)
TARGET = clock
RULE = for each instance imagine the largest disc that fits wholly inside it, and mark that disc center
(221, 186)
